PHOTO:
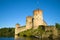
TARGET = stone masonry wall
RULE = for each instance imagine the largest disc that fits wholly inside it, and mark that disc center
(38, 18)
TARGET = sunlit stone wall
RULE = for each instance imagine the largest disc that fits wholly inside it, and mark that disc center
(29, 22)
(38, 18)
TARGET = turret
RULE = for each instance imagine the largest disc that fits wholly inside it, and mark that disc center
(28, 22)
(17, 28)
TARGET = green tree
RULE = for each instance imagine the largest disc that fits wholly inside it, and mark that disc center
(41, 30)
(57, 26)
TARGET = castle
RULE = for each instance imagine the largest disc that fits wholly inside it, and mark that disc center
(34, 22)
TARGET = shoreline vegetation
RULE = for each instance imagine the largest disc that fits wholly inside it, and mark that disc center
(10, 32)
(7, 32)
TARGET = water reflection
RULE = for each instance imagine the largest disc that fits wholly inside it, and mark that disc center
(28, 38)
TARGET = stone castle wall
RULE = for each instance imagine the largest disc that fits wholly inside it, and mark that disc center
(18, 29)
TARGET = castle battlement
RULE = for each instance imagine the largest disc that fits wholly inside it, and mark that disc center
(37, 11)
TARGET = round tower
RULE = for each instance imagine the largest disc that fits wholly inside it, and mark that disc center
(28, 22)
(17, 29)
(38, 18)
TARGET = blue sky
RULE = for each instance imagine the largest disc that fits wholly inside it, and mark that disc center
(16, 11)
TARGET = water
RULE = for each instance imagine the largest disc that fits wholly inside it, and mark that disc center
(6, 38)
(25, 38)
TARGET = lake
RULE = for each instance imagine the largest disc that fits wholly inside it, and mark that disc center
(6, 38)
(25, 38)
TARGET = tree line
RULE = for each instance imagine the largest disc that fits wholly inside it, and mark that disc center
(7, 32)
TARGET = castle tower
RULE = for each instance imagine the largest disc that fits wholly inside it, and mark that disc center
(17, 28)
(38, 18)
(29, 22)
